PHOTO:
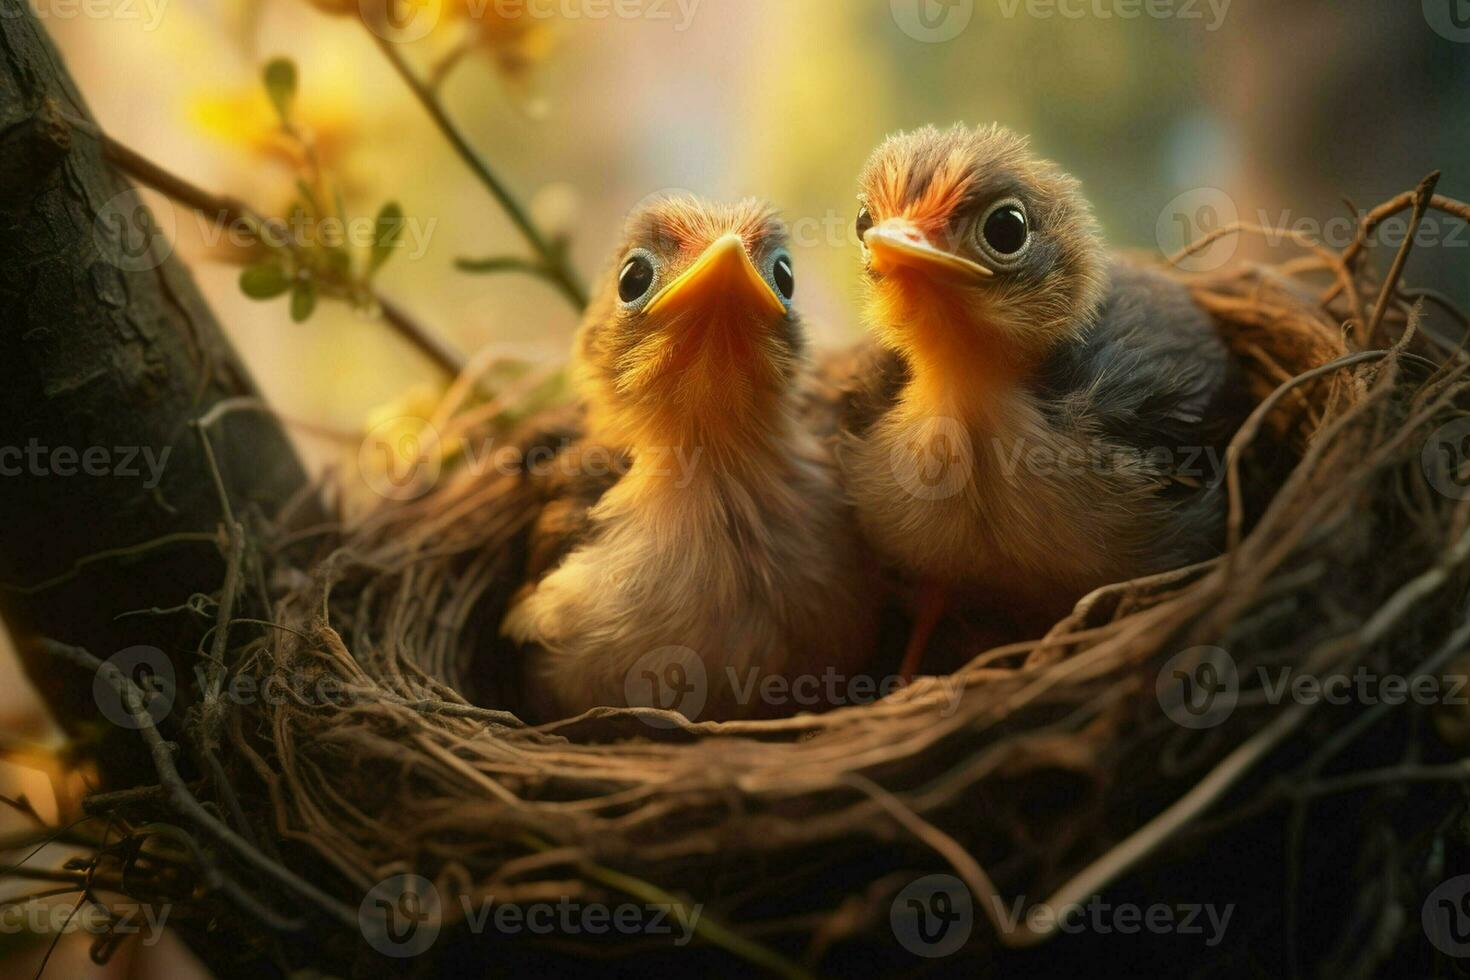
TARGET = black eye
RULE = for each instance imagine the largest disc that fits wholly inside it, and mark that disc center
(635, 279)
(864, 222)
(784, 276)
(1005, 230)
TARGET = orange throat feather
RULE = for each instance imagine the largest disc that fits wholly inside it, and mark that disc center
(961, 363)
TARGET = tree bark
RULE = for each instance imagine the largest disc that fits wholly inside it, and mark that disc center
(107, 353)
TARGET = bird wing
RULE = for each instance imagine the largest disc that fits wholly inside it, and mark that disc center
(556, 465)
(849, 389)
(1152, 374)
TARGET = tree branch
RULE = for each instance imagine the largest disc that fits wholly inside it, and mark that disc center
(228, 209)
(549, 256)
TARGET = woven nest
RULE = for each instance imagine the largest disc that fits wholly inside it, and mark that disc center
(1061, 773)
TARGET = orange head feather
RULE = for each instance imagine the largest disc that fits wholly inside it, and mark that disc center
(692, 337)
(980, 257)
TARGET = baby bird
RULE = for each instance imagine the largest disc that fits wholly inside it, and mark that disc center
(1039, 418)
(725, 553)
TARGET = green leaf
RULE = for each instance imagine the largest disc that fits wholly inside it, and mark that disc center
(387, 232)
(303, 299)
(280, 85)
(265, 280)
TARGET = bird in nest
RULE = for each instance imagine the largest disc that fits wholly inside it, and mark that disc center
(721, 551)
(1033, 416)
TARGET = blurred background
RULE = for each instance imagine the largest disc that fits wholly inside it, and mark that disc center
(1176, 116)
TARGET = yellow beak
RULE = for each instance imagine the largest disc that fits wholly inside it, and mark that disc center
(723, 274)
(897, 242)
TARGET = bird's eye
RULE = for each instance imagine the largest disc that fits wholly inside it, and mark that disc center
(783, 274)
(636, 278)
(1004, 232)
(864, 223)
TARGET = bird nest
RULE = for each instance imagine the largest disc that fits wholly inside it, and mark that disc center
(392, 775)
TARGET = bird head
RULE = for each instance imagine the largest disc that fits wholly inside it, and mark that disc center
(692, 335)
(980, 257)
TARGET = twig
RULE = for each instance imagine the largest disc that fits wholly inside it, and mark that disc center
(229, 209)
(1423, 194)
(549, 255)
(178, 537)
(178, 795)
(104, 802)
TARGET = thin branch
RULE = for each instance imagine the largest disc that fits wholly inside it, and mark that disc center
(229, 209)
(551, 257)
(1423, 194)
